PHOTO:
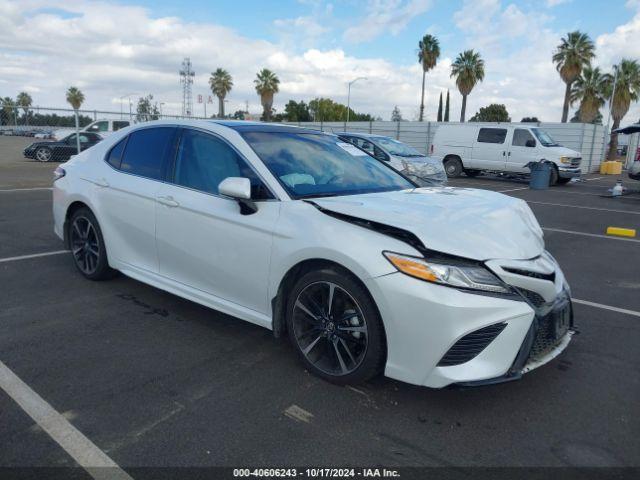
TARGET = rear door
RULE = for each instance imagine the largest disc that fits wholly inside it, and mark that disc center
(490, 148)
(522, 150)
(127, 195)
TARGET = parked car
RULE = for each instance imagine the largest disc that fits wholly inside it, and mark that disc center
(423, 170)
(286, 228)
(59, 151)
(507, 148)
(634, 168)
(103, 127)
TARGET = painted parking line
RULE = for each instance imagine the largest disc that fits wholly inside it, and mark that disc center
(513, 189)
(571, 232)
(79, 447)
(583, 207)
(33, 255)
(7, 190)
(606, 307)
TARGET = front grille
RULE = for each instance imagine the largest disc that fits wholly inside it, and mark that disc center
(528, 273)
(547, 335)
(469, 346)
(575, 162)
(532, 297)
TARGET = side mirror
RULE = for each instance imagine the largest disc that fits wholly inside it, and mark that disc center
(239, 188)
(530, 143)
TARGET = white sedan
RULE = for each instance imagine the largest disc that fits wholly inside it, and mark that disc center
(304, 234)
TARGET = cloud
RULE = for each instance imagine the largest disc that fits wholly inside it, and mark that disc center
(555, 3)
(386, 16)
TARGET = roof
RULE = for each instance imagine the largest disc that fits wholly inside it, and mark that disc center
(245, 126)
(628, 129)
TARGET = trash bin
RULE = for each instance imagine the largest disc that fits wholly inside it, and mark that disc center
(540, 174)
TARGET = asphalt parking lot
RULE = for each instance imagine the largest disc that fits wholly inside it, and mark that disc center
(156, 381)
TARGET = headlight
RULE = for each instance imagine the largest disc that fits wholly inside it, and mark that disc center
(473, 277)
(565, 160)
(58, 173)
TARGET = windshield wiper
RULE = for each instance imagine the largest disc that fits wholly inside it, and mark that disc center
(316, 195)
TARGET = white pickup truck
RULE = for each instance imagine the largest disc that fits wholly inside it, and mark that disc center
(103, 127)
(508, 148)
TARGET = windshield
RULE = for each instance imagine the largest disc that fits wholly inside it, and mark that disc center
(319, 165)
(395, 147)
(544, 138)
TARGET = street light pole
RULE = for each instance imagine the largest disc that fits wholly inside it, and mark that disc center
(161, 103)
(349, 97)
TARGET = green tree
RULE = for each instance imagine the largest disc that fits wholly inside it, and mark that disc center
(238, 115)
(625, 91)
(326, 110)
(221, 84)
(24, 101)
(297, 111)
(396, 114)
(496, 112)
(266, 84)
(8, 110)
(446, 108)
(589, 90)
(428, 54)
(529, 120)
(468, 69)
(576, 118)
(147, 109)
(440, 108)
(574, 53)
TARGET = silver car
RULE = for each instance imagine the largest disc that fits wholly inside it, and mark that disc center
(423, 170)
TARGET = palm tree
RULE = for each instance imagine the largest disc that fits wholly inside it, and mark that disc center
(428, 53)
(573, 54)
(8, 108)
(24, 100)
(221, 84)
(589, 89)
(468, 68)
(625, 91)
(266, 83)
(75, 97)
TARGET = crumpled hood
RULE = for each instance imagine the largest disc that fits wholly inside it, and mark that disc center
(425, 171)
(470, 223)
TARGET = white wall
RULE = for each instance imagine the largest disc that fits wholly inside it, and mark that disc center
(582, 137)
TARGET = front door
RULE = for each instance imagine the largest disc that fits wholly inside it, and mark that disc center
(203, 240)
(522, 151)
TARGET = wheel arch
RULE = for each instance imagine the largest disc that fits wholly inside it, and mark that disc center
(279, 302)
(71, 209)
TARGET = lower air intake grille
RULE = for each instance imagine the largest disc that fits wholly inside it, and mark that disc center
(469, 346)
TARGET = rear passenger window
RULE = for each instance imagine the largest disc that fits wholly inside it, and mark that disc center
(203, 161)
(146, 150)
(492, 135)
(115, 155)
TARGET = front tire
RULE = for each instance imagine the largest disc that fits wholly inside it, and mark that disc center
(87, 246)
(335, 327)
(553, 176)
(43, 154)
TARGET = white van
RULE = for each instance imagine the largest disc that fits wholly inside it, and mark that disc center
(509, 148)
(103, 127)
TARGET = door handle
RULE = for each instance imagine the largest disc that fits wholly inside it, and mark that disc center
(168, 201)
(503, 153)
(509, 154)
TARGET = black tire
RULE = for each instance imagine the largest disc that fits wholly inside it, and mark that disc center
(87, 246)
(553, 176)
(453, 167)
(563, 181)
(471, 173)
(43, 154)
(345, 345)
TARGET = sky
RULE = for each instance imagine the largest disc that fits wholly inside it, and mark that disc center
(111, 50)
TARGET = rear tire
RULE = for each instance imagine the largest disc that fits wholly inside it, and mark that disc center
(87, 246)
(453, 167)
(335, 327)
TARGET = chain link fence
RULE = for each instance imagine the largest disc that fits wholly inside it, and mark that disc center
(59, 133)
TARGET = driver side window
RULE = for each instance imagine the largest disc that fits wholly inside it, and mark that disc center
(203, 161)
